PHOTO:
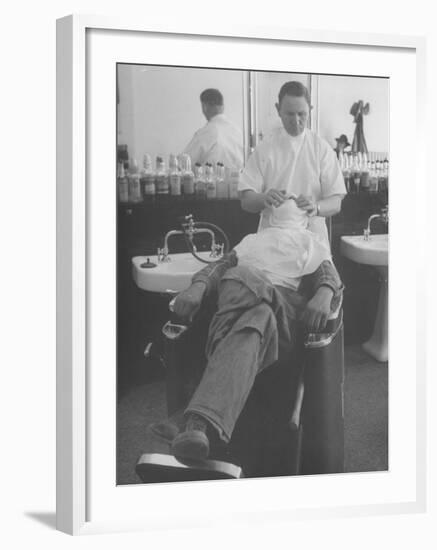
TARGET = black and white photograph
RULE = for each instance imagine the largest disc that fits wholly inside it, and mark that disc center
(252, 273)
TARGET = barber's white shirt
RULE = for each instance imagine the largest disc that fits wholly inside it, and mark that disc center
(218, 141)
(303, 165)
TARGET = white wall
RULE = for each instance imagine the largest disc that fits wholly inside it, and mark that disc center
(160, 107)
(337, 94)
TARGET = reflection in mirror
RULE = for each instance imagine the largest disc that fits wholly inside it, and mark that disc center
(160, 111)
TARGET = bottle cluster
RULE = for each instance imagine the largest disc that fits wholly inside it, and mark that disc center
(364, 173)
(178, 180)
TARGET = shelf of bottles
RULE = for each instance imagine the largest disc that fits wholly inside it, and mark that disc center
(179, 180)
(365, 172)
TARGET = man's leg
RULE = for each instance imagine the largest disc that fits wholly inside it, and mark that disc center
(243, 340)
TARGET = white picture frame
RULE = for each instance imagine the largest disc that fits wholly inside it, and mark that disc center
(75, 344)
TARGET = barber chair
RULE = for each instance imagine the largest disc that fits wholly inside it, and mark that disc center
(292, 423)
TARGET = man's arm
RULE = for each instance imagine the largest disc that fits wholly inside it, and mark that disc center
(203, 284)
(326, 207)
(325, 288)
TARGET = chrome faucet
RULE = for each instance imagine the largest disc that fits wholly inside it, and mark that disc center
(382, 216)
(163, 253)
(189, 230)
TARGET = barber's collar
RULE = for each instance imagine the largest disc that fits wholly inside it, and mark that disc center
(294, 140)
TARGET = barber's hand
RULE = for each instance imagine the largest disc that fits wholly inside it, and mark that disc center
(307, 204)
(274, 197)
(188, 302)
(317, 311)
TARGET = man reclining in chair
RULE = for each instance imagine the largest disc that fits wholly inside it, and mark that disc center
(293, 180)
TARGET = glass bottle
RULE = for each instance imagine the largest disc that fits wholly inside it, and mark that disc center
(199, 182)
(187, 178)
(148, 179)
(233, 185)
(355, 175)
(373, 179)
(174, 177)
(134, 183)
(122, 184)
(221, 183)
(364, 177)
(161, 179)
(210, 183)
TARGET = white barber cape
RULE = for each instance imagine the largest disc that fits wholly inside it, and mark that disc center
(285, 250)
(302, 165)
(218, 141)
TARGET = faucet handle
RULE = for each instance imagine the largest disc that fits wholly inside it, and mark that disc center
(384, 213)
(216, 250)
(162, 254)
(187, 223)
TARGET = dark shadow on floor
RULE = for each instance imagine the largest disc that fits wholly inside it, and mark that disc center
(46, 518)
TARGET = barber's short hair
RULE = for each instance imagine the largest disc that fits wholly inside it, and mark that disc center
(211, 96)
(296, 89)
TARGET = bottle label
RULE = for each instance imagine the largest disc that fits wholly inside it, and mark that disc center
(161, 185)
(211, 191)
(188, 184)
(134, 189)
(148, 184)
(175, 185)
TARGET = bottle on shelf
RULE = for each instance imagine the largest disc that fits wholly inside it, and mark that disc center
(199, 182)
(364, 177)
(134, 183)
(161, 180)
(373, 179)
(147, 179)
(233, 184)
(210, 183)
(174, 177)
(355, 175)
(383, 176)
(122, 184)
(221, 183)
(187, 178)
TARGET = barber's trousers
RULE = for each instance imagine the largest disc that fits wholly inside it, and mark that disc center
(255, 324)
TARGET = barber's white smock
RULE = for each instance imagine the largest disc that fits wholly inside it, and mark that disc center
(218, 141)
(302, 165)
(289, 244)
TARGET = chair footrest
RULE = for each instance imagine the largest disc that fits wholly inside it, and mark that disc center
(162, 468)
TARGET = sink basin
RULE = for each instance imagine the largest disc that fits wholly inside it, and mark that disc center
(371, 252)
(172, 276)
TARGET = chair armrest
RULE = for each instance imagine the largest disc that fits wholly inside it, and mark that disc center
(322, 339)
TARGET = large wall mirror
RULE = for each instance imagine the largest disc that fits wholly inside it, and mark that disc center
(159, 108)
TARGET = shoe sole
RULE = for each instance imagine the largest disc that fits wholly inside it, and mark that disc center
(193, 445)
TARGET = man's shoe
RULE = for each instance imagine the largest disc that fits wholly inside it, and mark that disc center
(193, 442)
(167, 430)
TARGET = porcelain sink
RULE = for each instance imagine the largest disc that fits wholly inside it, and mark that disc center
(371, 252)
(172, 276)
